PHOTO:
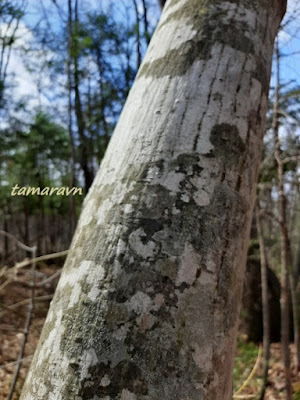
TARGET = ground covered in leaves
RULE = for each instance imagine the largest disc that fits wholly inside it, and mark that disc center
(14, 299)
(15, 294)
(245, 360)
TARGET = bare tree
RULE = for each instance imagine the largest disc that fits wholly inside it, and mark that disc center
(286, 267)
(265, 300)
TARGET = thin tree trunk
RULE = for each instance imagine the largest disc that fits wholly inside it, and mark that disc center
(72, 212)
(5, 239)
(265, 302)
(295, 319)
(148, 303)
(26, 237)
(102, 97)
(296, 265)
(41, 221)
(138, 39)
(146, 24)
(284, 299)
(84, 153)
(293, 277)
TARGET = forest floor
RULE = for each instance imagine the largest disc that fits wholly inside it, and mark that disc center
(14, 309)
(245, 360)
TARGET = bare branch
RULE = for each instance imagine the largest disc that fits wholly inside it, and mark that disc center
(25, 263)
(25, 332)
(252, 373)
(20, 244)
(26, 301)
(15, 362)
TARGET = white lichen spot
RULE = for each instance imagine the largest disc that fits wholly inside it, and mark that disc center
(185, 198)
(127, 395)
(75, 274)
(102, 211)
(172, 180)
(52, 343)
(117, 268)
(75, 295)
(87, 213)
(175, 211)
(201, 198)
(203, 356)
(105, 381)
(121, 333)
(131, 260)
(139, 303)
(121, 247)
(88, 359)
(128, 208)
(87, 270)
(93, 293)
(190, 262)
(50, 316)
(144, 250)
(42, 390)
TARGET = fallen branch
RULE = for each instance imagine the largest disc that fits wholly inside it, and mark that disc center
(49, 279)
(20, 244)
(3, 366)
(26, 262)
(22, 302)
(252, 373)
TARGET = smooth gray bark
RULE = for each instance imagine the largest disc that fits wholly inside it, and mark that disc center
(148, 301)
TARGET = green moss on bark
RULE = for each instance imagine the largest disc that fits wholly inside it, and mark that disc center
(207, 19)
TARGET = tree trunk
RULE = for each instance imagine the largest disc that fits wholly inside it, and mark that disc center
(138, 39)
(284, 241)
(265, 302)
(146, 24)
(84, 146)
(102, 96)
(5, 239)
(148, 302)
(72, 211)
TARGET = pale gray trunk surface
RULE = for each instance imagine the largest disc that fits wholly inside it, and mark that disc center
(148, 301)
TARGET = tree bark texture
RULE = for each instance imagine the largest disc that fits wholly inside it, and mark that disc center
(148, 302)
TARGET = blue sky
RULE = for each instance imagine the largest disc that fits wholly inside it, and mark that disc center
(26, 84)
(290, 43)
